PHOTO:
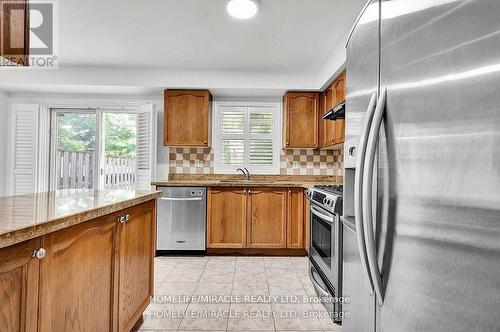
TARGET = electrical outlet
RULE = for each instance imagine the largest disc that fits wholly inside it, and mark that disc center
(296, 164)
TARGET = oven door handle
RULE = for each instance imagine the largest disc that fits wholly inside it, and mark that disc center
(358, 192)
(322, 215)
(371, 149)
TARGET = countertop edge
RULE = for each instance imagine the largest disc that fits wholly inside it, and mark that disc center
(22, 234)
(283, 184)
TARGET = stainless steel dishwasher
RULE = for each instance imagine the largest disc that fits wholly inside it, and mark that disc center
(181, 220)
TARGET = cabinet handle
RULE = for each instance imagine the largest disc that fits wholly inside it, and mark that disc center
(122, 219)
(205, 142)
(39, 253)
(249, 191)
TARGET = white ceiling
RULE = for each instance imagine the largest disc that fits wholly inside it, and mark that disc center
(196, 42)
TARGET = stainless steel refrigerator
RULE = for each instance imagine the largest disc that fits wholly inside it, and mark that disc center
(422, 167)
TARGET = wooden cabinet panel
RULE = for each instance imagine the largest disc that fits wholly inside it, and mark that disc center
(14, 31)
(340, 89)
(339, 131)
(295, 219)
(300, 121)
(332, 132)
(19, 287)
(307, 223)
(226, 224)
(187, 118)
(76, 279)
(330, 97)
(136, 254)
(266, 221)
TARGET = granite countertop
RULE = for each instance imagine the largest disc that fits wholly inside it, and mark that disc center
(28, 216)
(215, 180)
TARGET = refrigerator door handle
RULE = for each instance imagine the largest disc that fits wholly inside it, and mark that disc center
(367, 196)
(358, 182)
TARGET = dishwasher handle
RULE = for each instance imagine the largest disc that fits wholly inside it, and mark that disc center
(181, 198)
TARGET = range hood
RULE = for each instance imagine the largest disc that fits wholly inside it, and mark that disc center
(338, 112)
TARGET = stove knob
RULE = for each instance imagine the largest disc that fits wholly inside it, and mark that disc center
(325, 201)
(330, 202)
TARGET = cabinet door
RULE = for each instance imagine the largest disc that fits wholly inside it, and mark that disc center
(330, 97)
(19, 287)
(136, 254)
(77, 277)
(307, 224)
(339, 131)
(301, 120)
(187, 118)
(266, 221)
(340, 89)
(226, 225)
(15, 37)
(295, 219)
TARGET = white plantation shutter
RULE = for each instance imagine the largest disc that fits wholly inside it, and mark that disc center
(146, 146)
(261, 137)
(232, 136)
(24, 148)
(247, 136)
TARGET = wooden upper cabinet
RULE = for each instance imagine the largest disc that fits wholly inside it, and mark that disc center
(326, 127)
(330, 97)
(340, 89)
(332, 132)
(300, 120)
(187, 118)
(136, 258)
(76, 278)
(226, 224)
(295, 219)
(15, 31)
(266, 221)
(19, 287)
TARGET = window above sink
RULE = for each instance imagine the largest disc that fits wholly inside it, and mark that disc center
(247, 135)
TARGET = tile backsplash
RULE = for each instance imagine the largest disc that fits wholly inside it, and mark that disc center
(292, 162)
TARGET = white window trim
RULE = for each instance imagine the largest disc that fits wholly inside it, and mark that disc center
(219, 168)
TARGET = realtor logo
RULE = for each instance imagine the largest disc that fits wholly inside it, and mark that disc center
(28, 33)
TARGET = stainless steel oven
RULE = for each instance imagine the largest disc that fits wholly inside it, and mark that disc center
(325, 251)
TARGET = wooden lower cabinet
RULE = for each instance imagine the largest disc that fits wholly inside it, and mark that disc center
(266, 218)
(226, 222)
(95, 276)
(307, 224)
(77, 277)
(295, 219)
(136, 258)
(19, 287)
(255, 218)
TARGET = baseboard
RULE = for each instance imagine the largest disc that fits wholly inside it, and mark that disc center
(256, 252)
(180, 252)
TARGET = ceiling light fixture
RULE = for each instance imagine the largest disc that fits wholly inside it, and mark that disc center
(242, 9)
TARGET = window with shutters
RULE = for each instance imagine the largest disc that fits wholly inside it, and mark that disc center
(247, 135)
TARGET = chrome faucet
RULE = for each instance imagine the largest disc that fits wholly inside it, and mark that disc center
(245, 172)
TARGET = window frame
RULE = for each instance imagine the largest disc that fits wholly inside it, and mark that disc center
(276, 109)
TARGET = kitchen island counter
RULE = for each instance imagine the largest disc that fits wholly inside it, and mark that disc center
(25, 217)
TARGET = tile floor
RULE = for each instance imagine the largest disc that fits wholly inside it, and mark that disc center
(234, 294)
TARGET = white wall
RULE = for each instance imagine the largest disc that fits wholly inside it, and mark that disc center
(4, 135)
